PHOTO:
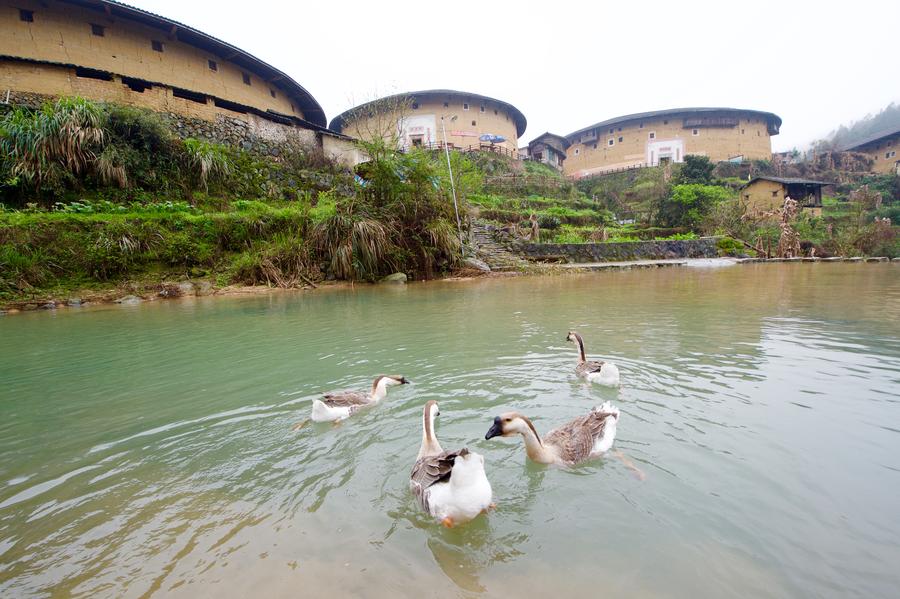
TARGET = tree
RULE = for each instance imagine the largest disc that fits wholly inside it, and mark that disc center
(696, 169)
(689, 204)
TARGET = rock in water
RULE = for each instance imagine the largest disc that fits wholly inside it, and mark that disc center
(398, 278)
(129, 299)
(476, 264)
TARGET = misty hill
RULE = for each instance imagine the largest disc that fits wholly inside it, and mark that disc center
(886, 120)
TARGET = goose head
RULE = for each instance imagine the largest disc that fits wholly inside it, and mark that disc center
(389, 380)
(508, 424)
(575, 338)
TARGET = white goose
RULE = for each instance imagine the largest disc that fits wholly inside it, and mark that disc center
(596, 371)
(340, 405)
(449, 485)
(577, 441)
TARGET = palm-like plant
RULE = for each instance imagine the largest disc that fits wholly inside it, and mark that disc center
(209, 161)
(61, 137)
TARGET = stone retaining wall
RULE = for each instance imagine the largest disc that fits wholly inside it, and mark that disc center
(618, 252)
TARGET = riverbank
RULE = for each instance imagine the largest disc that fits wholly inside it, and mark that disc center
(150, 290)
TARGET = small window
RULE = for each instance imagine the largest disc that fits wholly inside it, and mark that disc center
(446, 104)
(473, 123)
(272, 93)
(156, 45)
(495, 111)
(26, 15)
(465, 105)
(595, 146)
(415, 105)
(136, 85)
(775, 194)
(697, 132)
(482, 109)
(887, 154)
(85, 73)
(620, 129)
(577, 151)
(612, 130)
(665, 122)
(98, 30)
(742, 132)
(188, 95)
(610, 142)
(758, 134)
(246, 78)
(652, 135)
(621, 139)
(213, 66)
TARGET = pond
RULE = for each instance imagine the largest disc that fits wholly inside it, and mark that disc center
(148, 450)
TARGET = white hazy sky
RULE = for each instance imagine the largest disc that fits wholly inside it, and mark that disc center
(567, 65)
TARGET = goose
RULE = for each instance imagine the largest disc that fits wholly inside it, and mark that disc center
(450, 485)
(337, 406)
(577, 441)
(596, 371)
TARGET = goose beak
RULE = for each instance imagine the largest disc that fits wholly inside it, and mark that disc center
(496, 429)
(404, 381)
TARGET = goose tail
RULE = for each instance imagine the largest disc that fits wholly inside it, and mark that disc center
(604, 442)
(321, 412)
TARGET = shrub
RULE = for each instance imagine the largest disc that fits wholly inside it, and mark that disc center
(209, 162)
(689, 204)
(727, 246)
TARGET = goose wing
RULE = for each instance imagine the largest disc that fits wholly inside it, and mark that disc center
(430, 470)
(589, 367)
(346, 399)
(575, 439)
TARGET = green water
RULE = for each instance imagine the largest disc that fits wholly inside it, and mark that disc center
(147, 450)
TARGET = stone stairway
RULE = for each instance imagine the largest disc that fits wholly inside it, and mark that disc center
(494, 253)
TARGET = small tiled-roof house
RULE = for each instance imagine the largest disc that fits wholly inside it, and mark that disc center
(549, 148)
(768, 193)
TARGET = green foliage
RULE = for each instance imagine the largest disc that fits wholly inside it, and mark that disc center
(695, 169)
(45, 148)
(729, 247)
(401, 219)
(209, 162)
(689, 205)
(568, 237)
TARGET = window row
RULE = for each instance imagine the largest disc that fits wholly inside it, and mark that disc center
(98, 30)
(465, 106)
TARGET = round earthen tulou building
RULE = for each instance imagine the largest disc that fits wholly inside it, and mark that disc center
(651, 138)
(421, 118)
(112, 52)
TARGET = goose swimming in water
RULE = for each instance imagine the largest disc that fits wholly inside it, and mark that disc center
(577, 441)
(595, 371)
(449, 485)
(338, 406)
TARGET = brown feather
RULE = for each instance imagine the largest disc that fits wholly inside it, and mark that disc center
(429, 471)
(575, 439)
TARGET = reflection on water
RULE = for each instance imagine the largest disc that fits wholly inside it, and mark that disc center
(149, 451)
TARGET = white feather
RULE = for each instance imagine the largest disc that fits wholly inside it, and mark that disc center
(608, 375)
(324, 413)
(604, 442)
(467, 493)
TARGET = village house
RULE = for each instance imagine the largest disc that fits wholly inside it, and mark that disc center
(768, 193)
(548, 148)
(882, 148)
